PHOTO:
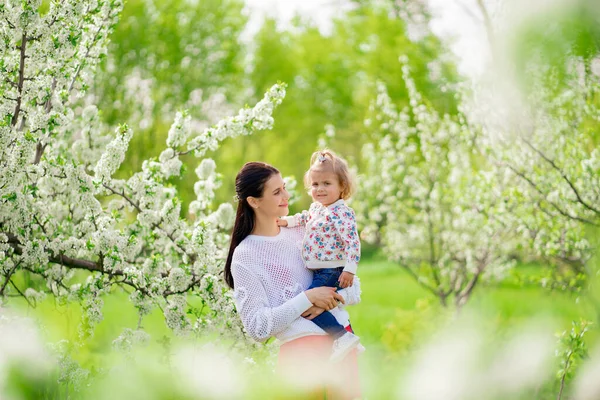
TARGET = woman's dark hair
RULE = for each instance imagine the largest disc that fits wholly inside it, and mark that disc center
(249, 182)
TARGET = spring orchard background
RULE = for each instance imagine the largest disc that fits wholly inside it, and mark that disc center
(477, 202)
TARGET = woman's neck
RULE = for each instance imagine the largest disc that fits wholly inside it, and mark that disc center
(265, 227)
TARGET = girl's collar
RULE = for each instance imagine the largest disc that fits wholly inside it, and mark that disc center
(337, 203)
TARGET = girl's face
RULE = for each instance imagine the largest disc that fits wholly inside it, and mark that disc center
(274, 201)
(325, 187)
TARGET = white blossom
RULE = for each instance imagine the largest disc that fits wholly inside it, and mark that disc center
(180, 130)
(129, 339)
(114, 155)
(426, 206)
(63, 210)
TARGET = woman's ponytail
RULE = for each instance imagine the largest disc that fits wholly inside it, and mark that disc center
(249, 182)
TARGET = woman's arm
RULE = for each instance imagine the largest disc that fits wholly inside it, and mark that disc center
(351, 297)
(262, 321)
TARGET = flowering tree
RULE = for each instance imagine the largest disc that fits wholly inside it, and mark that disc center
(550, 150)
(436, 209)
(67, 227)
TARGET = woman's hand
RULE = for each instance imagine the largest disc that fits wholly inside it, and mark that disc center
(313, 312)
(324, 297)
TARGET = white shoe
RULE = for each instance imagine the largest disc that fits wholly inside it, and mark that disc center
(360, 349)
(343, 345)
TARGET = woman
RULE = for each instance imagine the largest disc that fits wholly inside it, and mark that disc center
(266, 269)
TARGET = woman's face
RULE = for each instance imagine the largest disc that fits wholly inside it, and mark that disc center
(274, 201)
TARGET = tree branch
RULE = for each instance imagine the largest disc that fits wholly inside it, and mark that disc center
(420, 281)
(95, 267)
(554, 205)
(87, 52)
(192, 284)
(464, 294)
(15, 117)
(124, 196)
(8, 276)
(564, 375)
(10, 24)
(21, 294)
(39, 151)
(45, 276)
(563, 175)
(11, 83)
(154, 225)
(62, 259)
(432, 257)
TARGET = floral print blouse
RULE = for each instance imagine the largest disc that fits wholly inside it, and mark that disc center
(331, 238)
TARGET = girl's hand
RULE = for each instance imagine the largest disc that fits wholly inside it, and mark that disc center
(281, 222)
(324, 297)
(346, 279)
(313, 312)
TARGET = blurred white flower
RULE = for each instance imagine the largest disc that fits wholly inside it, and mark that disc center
(587, 382)
(210, 372)
(21, 345)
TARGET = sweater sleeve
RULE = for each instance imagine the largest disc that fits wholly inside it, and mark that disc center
(259, 319)
(297, 219)
(344, 222)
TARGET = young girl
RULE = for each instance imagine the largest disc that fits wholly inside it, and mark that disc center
(331, 246)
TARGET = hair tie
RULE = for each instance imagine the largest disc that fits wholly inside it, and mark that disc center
(322, 158)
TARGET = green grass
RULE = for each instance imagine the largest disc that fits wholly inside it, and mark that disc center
(388, 294)
(388, 290)
(395, 318)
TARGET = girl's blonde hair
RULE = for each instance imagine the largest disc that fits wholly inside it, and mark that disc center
(327, 161)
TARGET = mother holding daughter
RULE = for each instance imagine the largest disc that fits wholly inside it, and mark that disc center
(274, 291)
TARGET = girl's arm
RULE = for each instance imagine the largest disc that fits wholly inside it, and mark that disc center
(297, 219)
(344, 221)
(301, 218)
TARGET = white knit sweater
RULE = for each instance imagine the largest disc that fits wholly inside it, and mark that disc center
(269, 281)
